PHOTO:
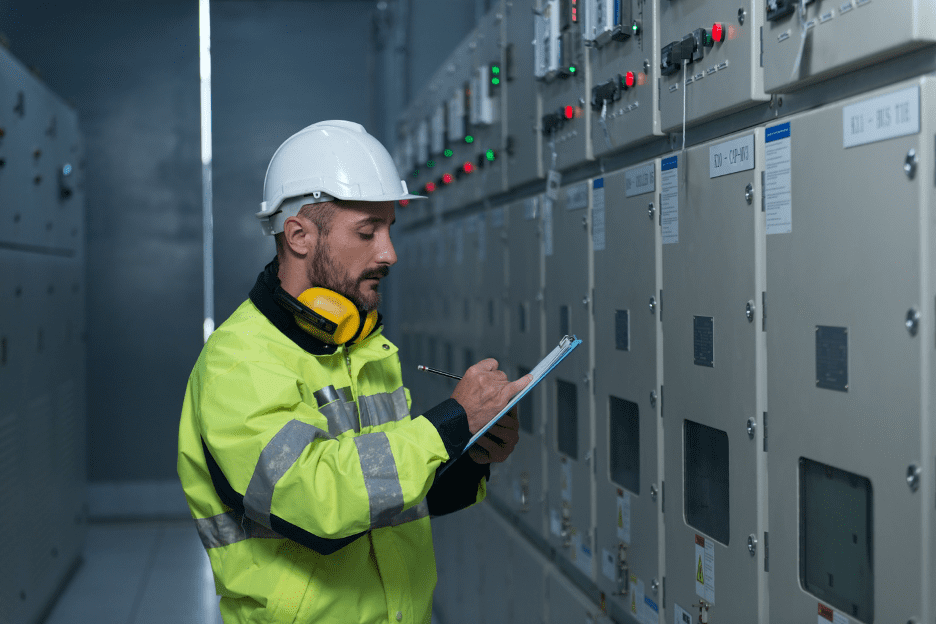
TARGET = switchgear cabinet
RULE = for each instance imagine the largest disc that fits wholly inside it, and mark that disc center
(715, 393)
(628, 382)
(850, 296)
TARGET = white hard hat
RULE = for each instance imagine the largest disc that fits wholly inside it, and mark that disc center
(327, 160)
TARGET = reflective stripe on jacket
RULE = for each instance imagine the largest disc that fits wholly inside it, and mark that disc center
(310, 483)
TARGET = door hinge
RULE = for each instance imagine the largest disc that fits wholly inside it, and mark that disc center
(764, 310)
(766, 551)
(765, 431)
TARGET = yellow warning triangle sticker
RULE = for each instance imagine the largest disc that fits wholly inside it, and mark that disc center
(620, 519)
(699, 576)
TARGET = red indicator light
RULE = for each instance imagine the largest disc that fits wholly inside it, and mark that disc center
(468, 167)
(718, 32)
(629, 79)
(404, 202)
(447, 178)
(569, 112)
(430, 187)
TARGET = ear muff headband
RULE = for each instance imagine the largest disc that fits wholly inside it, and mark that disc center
(328, 316)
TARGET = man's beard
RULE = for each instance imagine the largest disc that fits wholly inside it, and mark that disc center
(325, 272)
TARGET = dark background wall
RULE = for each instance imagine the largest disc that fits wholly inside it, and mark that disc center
(131, 70)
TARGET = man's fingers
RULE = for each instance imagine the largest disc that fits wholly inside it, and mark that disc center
(490, 364)
(516, 386)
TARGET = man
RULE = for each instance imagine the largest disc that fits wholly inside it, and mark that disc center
(310, 483)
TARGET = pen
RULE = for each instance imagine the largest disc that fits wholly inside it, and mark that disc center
(437, 372)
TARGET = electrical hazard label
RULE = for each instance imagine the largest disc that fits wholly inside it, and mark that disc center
(705, 568)
(624, 517)
(827, 614)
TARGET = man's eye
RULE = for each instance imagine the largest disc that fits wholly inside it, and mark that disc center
(365, 236)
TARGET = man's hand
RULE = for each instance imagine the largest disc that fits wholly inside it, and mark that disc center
(484, 391)
(499, 441)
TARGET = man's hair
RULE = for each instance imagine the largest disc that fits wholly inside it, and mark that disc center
(321, 214)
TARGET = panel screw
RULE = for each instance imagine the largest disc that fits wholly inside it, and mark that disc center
(913, 477)
(653, 491)
(652, 305)
(913, 321)
(751, 427)
(910, 164)
(749, 311)
(585, 222)
(653, 396)
(650, 210)
(654, 585)
(752, 544)
(741, 16)
(749, 193)
(585, 301)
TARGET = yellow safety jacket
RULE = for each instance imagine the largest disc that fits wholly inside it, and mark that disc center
(310, 484)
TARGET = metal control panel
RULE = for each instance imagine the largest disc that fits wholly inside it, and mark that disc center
(848, 300)
(709, 59)
(628, 386)
(524, 107)
(43, 334)
(519, 483)
(561, 67)
(805, 42)
(624, 57)
(714, 357)
(570, 442)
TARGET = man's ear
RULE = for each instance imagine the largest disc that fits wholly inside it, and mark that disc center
(300, 235)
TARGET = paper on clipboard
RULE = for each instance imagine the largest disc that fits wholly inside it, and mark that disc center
(564, 348)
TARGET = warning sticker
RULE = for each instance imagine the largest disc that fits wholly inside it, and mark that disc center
(828, 614)
(623, 517)
(669, 200)
(680, 615)
(705, 568)
(608, 567)
(778, 187)
(598, 214)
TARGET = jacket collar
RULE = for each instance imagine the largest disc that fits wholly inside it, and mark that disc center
(262, 296)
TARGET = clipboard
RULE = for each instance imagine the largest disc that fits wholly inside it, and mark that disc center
(563, 349)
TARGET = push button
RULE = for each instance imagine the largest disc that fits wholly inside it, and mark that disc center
(399, 616)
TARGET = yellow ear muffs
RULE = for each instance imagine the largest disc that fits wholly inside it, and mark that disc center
(338, 319)
(370, 321)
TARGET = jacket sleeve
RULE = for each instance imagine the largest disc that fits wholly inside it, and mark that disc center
(272, 458)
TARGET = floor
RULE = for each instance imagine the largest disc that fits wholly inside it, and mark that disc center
(140, 573)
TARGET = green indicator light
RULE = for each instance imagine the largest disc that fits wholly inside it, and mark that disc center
(448, 153)
(415, 173)
(489, 154)
(635, 27)
(431, 163)
(469, 139)
(495, 70)
(572, 69)
(495, 81)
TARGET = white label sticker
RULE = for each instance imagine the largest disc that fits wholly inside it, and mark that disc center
(637, 597)
(778, 185)
(548, 226)
(639, 180)
(705, 568)
(608, 565)
(565, 483)
(598, 215)
(883, 117)
(623, 517)
(577, 196)
(555, 525)
(680, 615)
(731, 156)
(529, 208)
(669, 200)
(827, 614)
